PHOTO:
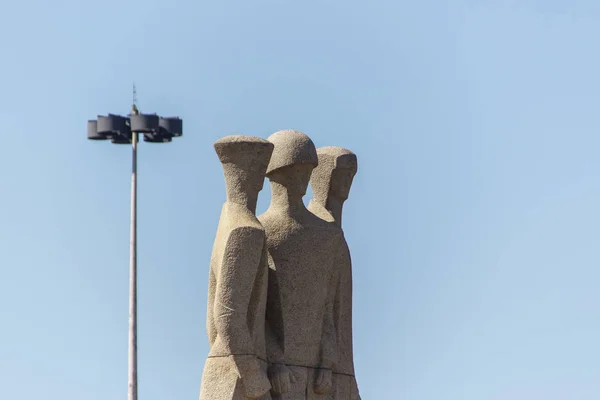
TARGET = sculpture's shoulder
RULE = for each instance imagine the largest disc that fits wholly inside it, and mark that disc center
(278, 228)
(320, 225)
(238, 227)
(265, 218)
(246, 233)
(320, 211)
(272, 221)
(280, 225)
(237, 217)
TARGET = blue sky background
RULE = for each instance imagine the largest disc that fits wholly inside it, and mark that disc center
(473, 221)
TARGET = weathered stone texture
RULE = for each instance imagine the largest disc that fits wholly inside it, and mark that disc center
(303, 268)
(279, 316)
(331, 182)
(237, 293)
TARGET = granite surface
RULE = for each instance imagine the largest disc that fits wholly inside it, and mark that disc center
(279, 317)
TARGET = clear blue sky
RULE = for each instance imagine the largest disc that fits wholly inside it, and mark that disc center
(473, 221)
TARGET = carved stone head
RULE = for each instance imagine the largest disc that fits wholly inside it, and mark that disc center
(334, 174)
(245, 160)
(293, 160)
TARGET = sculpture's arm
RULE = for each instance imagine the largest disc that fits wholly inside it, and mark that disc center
(274, 351)
(280, 375)
(274, 331)
(235, 282)
(210, 325)
(354, 394)
(328, 337)
(211, 330)
(329, 334)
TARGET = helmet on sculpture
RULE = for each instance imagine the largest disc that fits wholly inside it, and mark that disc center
(291, 148)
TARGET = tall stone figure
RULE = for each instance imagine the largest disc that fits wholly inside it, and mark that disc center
(302, 275)
(330, 183)
(236, 367)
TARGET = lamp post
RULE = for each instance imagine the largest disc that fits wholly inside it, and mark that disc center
(126, 130)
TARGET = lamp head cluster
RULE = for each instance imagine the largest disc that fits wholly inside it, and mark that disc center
(118, 129)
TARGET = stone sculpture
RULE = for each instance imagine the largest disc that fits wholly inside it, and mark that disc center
(236, 367)
(279, 316)
(330, 183)
(303, 255)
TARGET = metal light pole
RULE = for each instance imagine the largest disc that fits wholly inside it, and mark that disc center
(126, 130)
(132, 393)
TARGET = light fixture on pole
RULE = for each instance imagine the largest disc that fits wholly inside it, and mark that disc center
(125, 130)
